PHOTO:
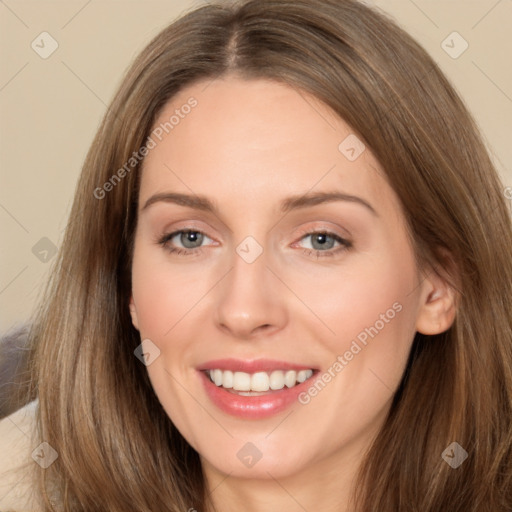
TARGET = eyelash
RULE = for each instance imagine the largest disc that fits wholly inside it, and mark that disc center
(344, 244)
(179, 251)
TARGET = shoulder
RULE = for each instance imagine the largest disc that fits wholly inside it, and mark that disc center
(17, 435)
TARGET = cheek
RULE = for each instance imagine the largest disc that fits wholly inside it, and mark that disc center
(350, 300)
(162, 297)
(370, 311)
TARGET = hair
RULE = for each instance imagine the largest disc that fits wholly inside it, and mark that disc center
(118, 449)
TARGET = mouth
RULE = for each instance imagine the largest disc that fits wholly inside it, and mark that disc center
(254, 389)
(256, 384)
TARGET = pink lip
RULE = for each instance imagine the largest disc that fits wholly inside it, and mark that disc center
(256, 365)
(252, 407)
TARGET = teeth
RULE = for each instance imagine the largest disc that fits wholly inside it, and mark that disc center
(241, 381)
(227, 379)
(290, 378)
(217, 377)
(302, 376)
(276, 380)
(259, 381)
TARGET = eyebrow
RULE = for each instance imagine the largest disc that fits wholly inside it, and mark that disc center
(291, 203)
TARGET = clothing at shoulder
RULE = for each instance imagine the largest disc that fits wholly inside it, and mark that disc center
(16, 447)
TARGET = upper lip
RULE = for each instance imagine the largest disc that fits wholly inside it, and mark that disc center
(252, 366)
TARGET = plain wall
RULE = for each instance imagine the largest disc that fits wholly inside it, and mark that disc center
(50, 108)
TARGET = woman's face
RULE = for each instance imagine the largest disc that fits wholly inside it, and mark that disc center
(229, 275)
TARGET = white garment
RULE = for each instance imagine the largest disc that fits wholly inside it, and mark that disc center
(17, 443)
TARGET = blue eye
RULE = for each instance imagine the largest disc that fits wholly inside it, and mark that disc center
(191, 240)
(191, 243)
(322, 242)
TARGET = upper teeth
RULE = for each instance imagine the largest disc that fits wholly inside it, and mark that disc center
(260, 381)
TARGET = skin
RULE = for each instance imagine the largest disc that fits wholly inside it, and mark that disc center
(248, 145)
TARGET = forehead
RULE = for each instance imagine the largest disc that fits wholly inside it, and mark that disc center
(260, 139)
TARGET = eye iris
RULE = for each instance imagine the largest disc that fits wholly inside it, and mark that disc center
(321, 238)
(191, 237)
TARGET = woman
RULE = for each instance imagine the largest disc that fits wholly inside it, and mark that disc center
(285, 284)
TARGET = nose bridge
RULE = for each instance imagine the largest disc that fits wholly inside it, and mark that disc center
(247, 282)
(248, 298)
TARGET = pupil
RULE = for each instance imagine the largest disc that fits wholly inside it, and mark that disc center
(321, 240)
(190, 237)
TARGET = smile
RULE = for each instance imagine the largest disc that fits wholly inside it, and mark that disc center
(254, 389)
(257, 382)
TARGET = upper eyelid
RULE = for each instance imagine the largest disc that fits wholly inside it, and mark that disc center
(303, 233)
(171, 234)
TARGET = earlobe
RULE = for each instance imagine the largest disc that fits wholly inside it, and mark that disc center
(133, 313)
(438, 306)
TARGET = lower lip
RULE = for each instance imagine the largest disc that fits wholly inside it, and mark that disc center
(253, 407)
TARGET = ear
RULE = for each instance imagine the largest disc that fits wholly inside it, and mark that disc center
(438, 305)
(133, 313)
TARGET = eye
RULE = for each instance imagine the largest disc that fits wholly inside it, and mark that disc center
(187, 242)
(322, 242)
(183, 242)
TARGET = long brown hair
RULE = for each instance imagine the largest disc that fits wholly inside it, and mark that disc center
(118, 450)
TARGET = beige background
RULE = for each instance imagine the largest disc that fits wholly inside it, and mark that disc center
(50, 108)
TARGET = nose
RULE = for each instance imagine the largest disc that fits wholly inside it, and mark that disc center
(251, 300)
